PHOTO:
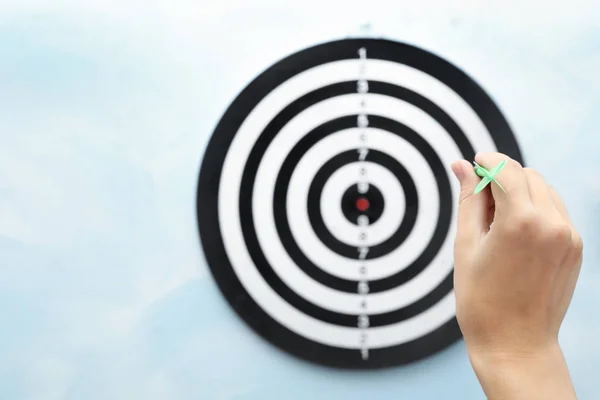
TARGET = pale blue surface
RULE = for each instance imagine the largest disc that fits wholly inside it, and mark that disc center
(104, 113)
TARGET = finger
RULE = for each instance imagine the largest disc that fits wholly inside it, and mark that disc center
(576, 240)
(540, 195)
(565, 285)
(560, 206)
(566, 279)
(513, 180)
(570, 280)
(472, 208)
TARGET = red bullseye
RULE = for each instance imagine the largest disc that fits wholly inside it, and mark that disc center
(362, 204)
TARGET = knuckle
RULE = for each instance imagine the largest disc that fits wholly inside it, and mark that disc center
(558, 234)
(577, 243)
(533, 172)
(525, 222)
(514, 164)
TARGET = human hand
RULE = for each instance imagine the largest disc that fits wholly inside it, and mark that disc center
(517, 261)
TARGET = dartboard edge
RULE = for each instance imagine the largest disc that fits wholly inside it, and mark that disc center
(289, 271)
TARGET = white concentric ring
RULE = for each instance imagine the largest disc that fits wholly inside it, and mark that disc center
(235, 161)
(333, 263)
(305, 237)
(337, 223)
(320, 255)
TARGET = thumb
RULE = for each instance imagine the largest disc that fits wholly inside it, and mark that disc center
(472, 208)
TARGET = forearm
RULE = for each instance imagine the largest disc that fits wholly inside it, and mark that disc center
(543, 376)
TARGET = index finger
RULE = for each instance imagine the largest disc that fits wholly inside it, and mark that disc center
(511, 177)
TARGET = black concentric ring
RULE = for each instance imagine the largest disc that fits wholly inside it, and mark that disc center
(280, 196)
(280, 214)
(349, 208)
(404, 227)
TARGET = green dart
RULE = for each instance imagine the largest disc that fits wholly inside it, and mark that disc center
(488, 176)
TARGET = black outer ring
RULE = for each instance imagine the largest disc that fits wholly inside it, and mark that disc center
(405, 226)
(210, 174)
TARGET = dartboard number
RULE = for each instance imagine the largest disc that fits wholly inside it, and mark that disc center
(362, 154)
(362, 122)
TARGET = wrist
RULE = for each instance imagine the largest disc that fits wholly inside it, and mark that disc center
(531, 375)
(487, 357)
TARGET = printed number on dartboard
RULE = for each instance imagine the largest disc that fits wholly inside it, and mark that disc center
(363, 187)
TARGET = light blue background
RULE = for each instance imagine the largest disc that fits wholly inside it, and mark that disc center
(105, 109)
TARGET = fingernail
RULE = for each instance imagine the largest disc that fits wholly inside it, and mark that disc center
(459, 172)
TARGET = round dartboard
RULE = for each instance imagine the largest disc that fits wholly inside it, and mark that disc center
(326, 205)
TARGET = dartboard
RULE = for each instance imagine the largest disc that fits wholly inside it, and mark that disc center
(326, 205)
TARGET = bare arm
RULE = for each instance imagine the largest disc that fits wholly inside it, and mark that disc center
(534, 376)
(517, 261)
